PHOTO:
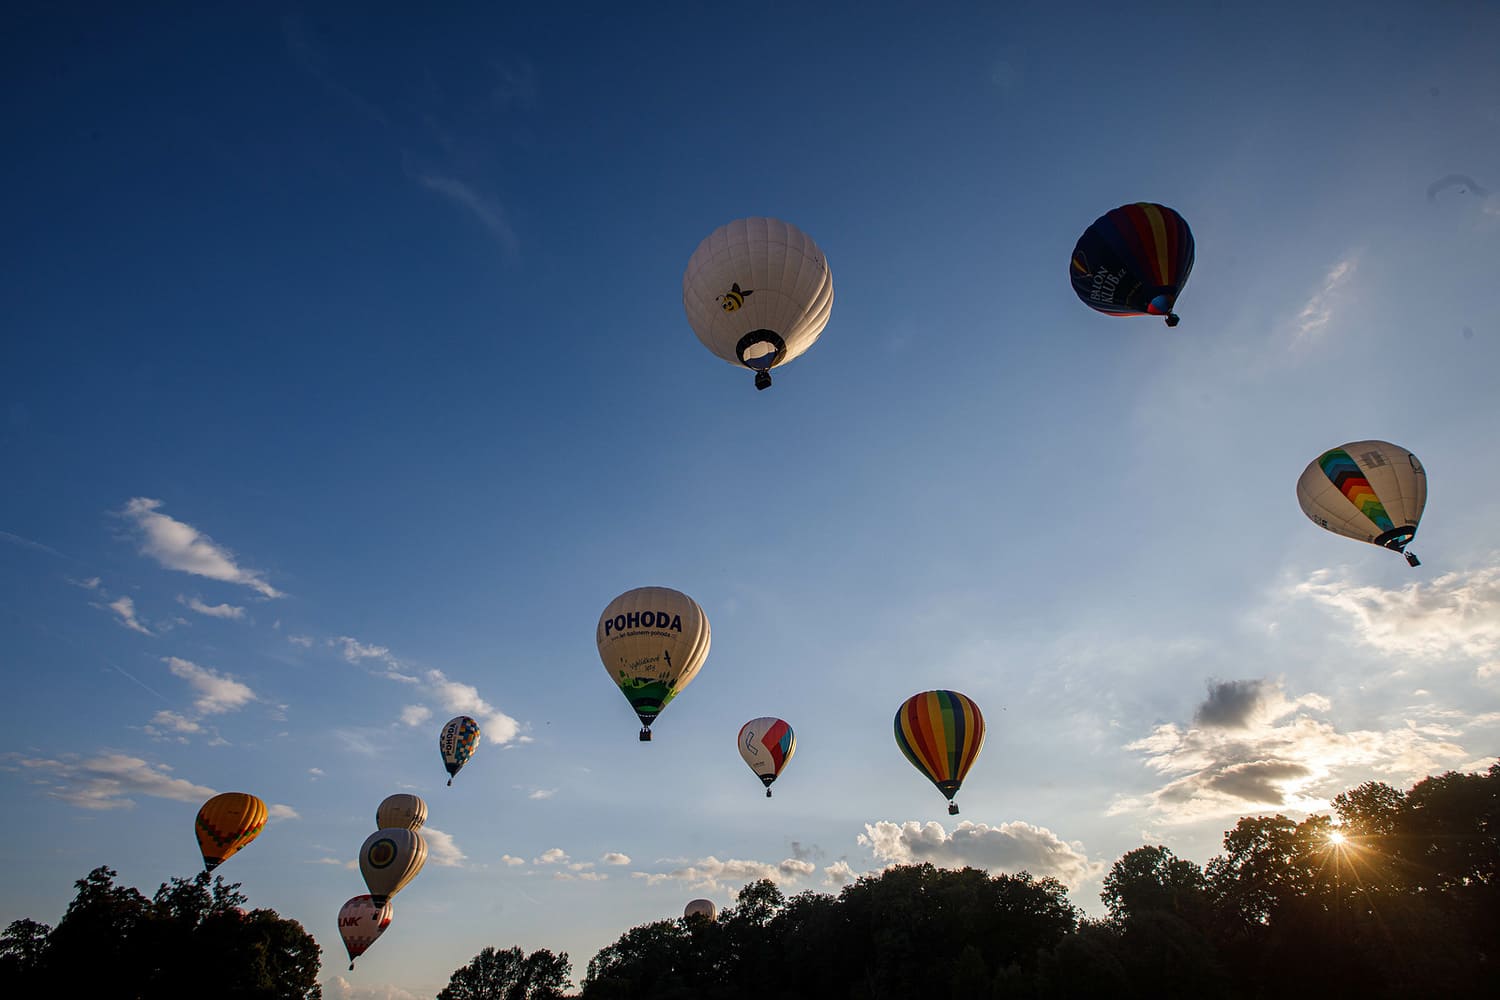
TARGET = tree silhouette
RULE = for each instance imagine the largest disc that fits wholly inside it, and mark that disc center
(510, 975)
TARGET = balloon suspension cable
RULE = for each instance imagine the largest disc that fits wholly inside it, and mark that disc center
(1411, 559)
(1173, 319)
(645, 736)
(762, 380)
(953, 809)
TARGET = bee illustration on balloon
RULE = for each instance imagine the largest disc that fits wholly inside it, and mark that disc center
(734, 298)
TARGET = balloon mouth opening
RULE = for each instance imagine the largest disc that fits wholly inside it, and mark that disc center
(1396, 538)
(760, 351)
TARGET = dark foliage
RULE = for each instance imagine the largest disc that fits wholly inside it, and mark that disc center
(192, 939)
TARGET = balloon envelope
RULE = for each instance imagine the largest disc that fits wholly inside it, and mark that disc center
(1134, 261)
(941, 733)
(226, 823)
(757, 293)
(401, 810)
(652, 642)
(700, 908)
(389, 859)
(361, 921)
(766, 744)
(1372, 491)
(457, 743)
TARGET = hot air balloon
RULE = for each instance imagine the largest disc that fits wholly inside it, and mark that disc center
(767, 745)
(652, 640)
(941, 733)
(458, 741)
(700, 908)
(1373, 491)
(226, 823)
(401, 811)
(361, 921)
(389, 859)
(1134, 261)
(757, 293)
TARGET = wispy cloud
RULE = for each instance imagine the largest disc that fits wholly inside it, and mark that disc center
(711, 873)
(278, 810)
(1254, 747)
(217, 693)
(415, 715)
(511, 860)
(1318, 311)
(1010, 847)
(213, 610)
(105, 781)
(542, 793)
(180, 546)
(486, 210)
(1455, 615)
(124, 609)
(27, 543)
(615, 858)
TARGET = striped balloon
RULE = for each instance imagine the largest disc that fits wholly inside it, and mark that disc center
(941, 733)
(1133, 261)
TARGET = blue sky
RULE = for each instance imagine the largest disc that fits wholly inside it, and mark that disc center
(346, 380)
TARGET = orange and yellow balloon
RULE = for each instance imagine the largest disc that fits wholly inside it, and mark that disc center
(941, 733)
(226, 823)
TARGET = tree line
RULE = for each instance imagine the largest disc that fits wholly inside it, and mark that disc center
(1394, 895)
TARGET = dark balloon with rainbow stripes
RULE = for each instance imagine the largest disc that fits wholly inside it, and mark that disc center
(1134, 261)
(941, 733)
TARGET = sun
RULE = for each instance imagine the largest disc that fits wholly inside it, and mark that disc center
(1337, 839)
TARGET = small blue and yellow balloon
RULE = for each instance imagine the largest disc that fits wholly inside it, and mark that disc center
(457, 743)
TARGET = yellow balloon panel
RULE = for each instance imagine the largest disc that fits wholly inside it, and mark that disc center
(226, 823)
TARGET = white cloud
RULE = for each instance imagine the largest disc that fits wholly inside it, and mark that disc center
(1270, 752)
(316, 772)
(441, 850)
(1456, 614)
(543, 793)
(586, 876)
(339, 988)
(1318, 311)
(354, 650)
(217, 693)
(171, 722)
(229, 611)
(838, 874)
(494, 725)
(1010, 847)
(182, 547)
(300, 640)
(106, 781)
(415, 715)
(279, 811)
(125, 609)
(616, 858)
(551, 856)
(511, 860)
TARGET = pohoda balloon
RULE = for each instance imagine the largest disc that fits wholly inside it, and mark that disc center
(1373, 491)
(941, 733)
(1134, 261)
(757, 293)
(361, 921)
(703, 908)
(457, 743)
(389, 859)
(652, 642)
(767, 744)
(226, 823)
(401, 810)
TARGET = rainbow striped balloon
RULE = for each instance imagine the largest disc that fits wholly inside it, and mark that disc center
(941, 733)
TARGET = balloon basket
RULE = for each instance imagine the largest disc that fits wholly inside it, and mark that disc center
(645, 736)
(1173, 319)
(1411, 559)
(762, 380)
(450, 782)
(768, 793)
(953, 809)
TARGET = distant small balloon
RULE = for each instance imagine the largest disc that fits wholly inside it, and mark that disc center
(457, 743)
(700, 908)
